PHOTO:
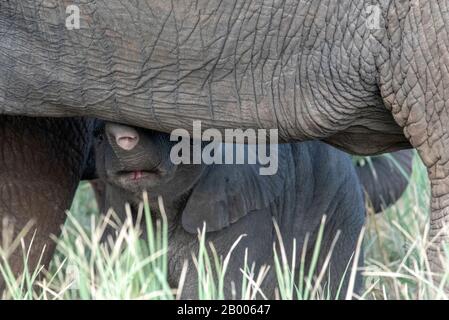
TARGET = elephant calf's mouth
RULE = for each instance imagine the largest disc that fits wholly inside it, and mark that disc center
(137, 175)
(140, 172)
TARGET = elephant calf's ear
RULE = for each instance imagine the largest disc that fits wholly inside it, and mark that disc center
(229, 192)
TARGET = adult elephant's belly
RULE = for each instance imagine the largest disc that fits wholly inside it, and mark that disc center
(370, 133)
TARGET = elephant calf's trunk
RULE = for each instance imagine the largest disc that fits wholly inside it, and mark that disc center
(385, 178)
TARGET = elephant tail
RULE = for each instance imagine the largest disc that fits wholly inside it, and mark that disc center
(384, 178)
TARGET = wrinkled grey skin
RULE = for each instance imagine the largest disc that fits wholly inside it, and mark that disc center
(42, 161)
(313, 179)
(311, 68)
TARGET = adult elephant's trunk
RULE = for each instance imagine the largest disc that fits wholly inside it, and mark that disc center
(414, 83)
(384, 178)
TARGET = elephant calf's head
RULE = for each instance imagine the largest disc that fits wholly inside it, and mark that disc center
(137, 159)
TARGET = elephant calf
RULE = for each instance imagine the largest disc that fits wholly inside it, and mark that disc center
(313, 179)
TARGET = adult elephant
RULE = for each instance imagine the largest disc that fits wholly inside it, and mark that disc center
(368, 79)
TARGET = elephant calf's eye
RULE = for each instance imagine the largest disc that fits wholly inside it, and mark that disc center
(99, 131)
(99, 138)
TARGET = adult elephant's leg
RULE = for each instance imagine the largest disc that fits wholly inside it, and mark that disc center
(415, 85)
(434, 151)
(41, 162)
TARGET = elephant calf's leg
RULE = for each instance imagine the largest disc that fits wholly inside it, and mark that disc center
(41, 162)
